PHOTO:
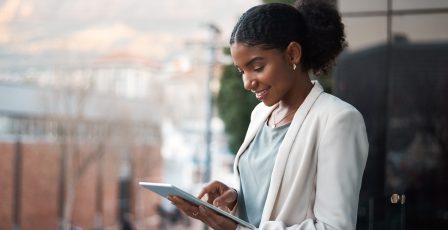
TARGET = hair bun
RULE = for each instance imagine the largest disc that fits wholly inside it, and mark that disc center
(325, 33)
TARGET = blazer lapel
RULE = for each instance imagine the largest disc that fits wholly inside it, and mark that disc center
(285, 149)
(252, 130)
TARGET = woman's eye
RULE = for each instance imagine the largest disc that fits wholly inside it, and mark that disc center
(258, 69)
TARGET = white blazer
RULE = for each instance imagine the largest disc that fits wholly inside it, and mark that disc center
(318, 170)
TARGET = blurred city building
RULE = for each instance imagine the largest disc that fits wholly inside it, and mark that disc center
(115, 92)
(122, 118)
(93, 130)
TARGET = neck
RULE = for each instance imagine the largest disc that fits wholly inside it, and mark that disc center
(296, 96)
(288, 106)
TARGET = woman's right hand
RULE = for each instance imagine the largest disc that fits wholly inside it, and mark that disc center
(220, 195)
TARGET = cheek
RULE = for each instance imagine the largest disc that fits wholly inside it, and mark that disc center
(271, 74)
(278, 76)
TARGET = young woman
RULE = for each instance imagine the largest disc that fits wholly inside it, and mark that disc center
(301, 163)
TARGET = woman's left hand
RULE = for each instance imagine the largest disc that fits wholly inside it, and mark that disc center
(204, 214)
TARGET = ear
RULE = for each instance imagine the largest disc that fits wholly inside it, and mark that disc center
(294, 52)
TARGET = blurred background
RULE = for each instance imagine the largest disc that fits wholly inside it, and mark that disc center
(98, 95)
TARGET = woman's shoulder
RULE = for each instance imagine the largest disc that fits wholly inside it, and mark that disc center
(332, 105)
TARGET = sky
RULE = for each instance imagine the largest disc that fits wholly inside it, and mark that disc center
(150, 28)
(43, 31)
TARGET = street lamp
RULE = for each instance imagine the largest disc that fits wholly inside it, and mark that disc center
(214, 33)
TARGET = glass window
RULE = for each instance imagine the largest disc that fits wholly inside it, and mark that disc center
(5, 124)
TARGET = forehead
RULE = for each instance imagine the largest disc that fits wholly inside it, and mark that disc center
(241, 53)
(239, 50)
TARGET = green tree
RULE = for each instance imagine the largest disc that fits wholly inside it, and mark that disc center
(235, 105)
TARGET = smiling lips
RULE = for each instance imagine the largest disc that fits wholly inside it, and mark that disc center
(261, 94)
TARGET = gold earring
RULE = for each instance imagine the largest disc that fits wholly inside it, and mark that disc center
(294, 66)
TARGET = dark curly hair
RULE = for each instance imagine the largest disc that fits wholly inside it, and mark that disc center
(315, 25)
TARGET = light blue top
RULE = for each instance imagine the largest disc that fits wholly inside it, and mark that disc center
(255, 168)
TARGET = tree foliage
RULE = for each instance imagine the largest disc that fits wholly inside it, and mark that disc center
(235, 105)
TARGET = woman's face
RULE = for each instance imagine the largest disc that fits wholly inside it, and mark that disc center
(266, 73)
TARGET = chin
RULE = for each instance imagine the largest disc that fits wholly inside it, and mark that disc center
(268, 103)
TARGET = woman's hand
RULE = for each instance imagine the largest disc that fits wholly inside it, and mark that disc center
(204, 214)
(220, 195)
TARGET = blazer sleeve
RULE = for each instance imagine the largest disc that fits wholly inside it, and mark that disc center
(342, 155)
(341, 160)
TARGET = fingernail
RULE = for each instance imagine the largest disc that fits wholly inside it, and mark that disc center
(202, 209)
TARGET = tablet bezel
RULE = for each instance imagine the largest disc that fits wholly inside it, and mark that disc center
(165, 190)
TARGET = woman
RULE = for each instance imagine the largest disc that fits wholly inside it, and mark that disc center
(301, 163)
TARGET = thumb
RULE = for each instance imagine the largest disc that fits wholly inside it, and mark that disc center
(227, 198)
(230, 196)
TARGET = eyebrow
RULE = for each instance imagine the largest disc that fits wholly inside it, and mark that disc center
(251, 61)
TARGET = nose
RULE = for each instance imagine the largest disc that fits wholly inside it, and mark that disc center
(249, 84)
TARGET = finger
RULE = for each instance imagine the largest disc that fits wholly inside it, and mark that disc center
(206, 216)
(186, 207)
(180, 200)
(209, 188)
(226, 200)
(207, 197)
(202, 193)
(214, 220)
(212, 190)
(194, 213)
(181, 203)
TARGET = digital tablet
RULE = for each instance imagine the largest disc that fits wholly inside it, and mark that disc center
(166, 190)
